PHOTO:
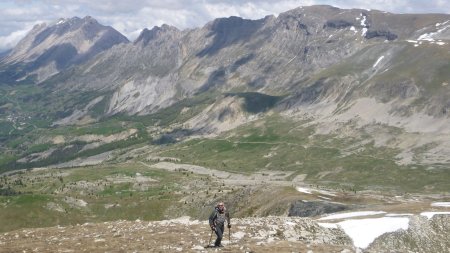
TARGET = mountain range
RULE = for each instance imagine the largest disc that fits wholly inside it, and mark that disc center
(373, 77)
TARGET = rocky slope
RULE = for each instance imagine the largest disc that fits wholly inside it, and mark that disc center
(50, 48)
(271, 234)
(311, 54)
(422, 236)
(181, 235)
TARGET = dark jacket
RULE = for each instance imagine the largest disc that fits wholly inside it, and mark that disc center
(218, 218)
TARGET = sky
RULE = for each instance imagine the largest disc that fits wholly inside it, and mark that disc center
(17, 17)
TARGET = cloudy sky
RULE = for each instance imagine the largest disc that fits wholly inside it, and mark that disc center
(131, 16)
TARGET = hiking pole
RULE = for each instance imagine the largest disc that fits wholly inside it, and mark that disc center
(210, 237)
(229, 234)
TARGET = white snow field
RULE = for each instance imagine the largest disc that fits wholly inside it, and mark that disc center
(365, 231)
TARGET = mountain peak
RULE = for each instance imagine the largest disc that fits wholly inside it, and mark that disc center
(63, 43)
(88, 18)
(156, 32)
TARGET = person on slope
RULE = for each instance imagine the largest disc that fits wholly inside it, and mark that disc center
(217, 222)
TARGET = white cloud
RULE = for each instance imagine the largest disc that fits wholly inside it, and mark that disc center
(10, 40)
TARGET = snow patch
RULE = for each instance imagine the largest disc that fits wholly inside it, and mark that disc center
(364, 31)
(310, 191)
(378, 61)
(352, 214)
(430, 215)
(439, 24)
(61, 21)
(398, 214)
(363, 24)
(365, 231)
(442, 204)
(431, 36)
(304, 190)
(426, 37)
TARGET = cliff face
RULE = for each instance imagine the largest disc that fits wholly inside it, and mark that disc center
(310, 55)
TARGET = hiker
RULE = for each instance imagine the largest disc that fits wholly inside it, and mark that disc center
(217, 221)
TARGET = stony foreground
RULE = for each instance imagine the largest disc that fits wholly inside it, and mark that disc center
(272, 234)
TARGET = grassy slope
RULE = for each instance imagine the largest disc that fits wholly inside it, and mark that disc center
(37, 189)
(280, 144)
(22, 142)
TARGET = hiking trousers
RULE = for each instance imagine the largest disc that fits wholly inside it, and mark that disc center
(219, 233)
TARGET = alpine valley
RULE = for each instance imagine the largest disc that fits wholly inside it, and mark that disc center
(315, 111)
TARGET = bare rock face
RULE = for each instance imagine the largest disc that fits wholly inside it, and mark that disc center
(423, 235)
(293, 54)
(314, 208)
(49, 49)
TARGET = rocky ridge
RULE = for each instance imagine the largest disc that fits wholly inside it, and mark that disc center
(50, 48)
